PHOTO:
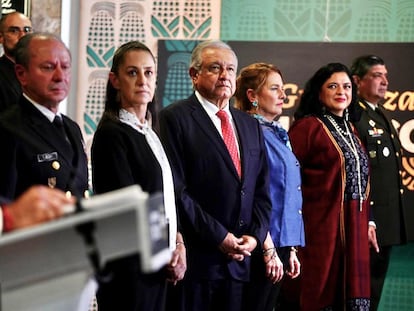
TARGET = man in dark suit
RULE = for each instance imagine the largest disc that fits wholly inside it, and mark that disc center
(390, 218)
(36, 205)
(36, 150)
(13, 26)
(222, 202)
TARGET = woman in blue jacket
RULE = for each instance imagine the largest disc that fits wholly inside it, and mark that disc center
(260, 92)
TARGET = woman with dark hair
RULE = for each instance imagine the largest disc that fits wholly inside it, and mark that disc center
(335, 176)
(260, 92)
(126, 151)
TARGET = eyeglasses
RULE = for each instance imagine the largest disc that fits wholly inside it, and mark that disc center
(218, 69)
(16, 30)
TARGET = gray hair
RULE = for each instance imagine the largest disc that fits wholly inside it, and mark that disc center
(196, 60)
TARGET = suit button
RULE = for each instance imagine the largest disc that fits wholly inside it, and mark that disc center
(242, 193)
(241, 223)
(401, 191)
(397, 154)
(371, 203)
(56, 165)
(299, 188)
(378, 142)
(300, 212)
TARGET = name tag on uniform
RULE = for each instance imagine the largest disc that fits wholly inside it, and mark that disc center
(46, 157)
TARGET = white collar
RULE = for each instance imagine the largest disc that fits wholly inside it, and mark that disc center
(210, 108)
(46, 112)
(131, 119)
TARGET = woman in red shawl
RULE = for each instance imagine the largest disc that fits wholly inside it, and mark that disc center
(335, 176)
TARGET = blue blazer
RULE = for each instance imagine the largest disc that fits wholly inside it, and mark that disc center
(211, 198)
(286, 224)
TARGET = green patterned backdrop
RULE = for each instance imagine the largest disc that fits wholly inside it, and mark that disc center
(318, 20)
(110, 23)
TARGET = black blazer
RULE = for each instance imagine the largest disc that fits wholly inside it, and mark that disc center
(394, 219)
(122, 157)
(10, 89)
(211, 199)
(33, 152)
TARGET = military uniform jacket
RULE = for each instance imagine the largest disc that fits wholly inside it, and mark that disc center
(32, 152)
(383, 146)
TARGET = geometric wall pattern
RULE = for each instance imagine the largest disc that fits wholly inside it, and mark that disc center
(105, 25)
(318, 20)
(398, 292)
(177, 83)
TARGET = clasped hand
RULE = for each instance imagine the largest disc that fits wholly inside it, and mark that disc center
(238, 248)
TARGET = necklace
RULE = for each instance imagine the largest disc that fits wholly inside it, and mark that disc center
(352, 147)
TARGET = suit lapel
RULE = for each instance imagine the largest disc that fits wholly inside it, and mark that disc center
(243, 132)
(204, 122)
(76, 140)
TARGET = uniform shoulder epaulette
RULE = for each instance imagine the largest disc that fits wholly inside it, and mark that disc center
(363, 105)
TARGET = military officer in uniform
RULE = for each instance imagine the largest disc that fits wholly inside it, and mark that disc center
(389, 213)
(39, 144)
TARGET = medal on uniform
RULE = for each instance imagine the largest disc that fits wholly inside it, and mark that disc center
(375, 132)
(371, 122)
(386, 152)
(51, 182)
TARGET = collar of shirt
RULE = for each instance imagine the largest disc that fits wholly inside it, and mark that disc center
(277, 128)
(46, 112)
(262, 120)
(373, 107)
(212, 109)
(132, 120)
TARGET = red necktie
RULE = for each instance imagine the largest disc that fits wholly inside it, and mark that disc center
(229, 139)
